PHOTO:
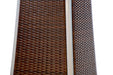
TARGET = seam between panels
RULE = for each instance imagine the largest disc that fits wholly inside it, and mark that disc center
(69, 37)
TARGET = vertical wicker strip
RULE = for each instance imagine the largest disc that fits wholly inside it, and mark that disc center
(83, 44)
(41, 40)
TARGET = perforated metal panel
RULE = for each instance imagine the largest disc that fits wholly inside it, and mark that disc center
(41, 41)
(83, 44)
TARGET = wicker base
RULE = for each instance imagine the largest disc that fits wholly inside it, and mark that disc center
(41, 39)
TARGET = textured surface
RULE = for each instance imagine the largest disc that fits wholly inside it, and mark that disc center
(41, 42)
(84, 57)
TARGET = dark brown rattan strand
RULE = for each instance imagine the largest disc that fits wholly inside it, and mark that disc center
(83, 44)
(41, 41)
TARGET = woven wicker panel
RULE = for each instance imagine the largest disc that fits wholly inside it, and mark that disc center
(41, 41)
(84, 57)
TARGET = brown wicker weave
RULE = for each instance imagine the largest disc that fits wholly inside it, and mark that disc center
(83, 44)
(41, 39)
(41, 42)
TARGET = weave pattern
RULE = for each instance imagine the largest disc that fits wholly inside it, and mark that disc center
(83, 44)
(41, 41)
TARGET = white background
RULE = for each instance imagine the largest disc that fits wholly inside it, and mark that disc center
(103, 34)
